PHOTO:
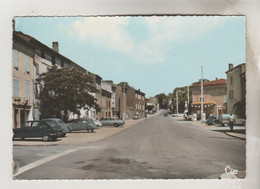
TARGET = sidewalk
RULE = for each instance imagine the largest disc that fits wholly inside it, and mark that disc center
(79, 137)
(238, 131)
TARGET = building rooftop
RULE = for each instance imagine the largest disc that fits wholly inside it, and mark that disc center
(212, 83)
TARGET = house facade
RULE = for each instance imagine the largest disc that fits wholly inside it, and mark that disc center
(23, 80)
(214, 97)
(236, 90)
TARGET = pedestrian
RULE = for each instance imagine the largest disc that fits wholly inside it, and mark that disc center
(231, 122)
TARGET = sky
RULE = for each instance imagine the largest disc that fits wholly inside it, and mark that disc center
(155, 54)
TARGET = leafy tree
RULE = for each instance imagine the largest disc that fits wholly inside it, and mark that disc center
(162, 101)
(149, 107)
(182, 97)
(124, 84)
(64, 91)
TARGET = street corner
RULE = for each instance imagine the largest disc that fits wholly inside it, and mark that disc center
(236, 135)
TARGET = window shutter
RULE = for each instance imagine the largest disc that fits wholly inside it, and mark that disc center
(27, 64)
(16, 84)
(15, 58)
(27, 89)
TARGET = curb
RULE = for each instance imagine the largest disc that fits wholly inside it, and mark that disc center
(236, 135)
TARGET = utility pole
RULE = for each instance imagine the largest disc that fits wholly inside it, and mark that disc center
(188, 94)
(124, 100)
(177, 102)
(201, 103)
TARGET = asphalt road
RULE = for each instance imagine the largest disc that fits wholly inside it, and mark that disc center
(156, 148)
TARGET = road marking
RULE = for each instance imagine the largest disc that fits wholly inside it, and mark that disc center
(42, 161)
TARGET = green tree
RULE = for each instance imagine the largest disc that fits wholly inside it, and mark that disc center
(149, 107)
(162, 101)
(64, 91)
(182, 97)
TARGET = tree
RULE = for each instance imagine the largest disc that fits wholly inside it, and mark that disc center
(162, 101)
(182, 97)
(64, 91)
(149, 107)
(124, 84)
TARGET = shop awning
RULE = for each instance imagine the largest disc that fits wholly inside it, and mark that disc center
(205, 104)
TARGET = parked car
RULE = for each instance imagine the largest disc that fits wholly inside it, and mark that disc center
(112, 121)
(224, 119)
(212, 120)
(83, 124)
(136, 117)
(239, 121)
(97, 122)
(55, 121)
(38, 129)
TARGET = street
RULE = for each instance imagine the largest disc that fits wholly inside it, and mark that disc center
(155, 148)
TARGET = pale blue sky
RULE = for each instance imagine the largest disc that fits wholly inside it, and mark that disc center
(154, 54)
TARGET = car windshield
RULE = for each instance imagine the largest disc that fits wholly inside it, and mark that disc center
(52, 124)
(60, 122)
(90, 120)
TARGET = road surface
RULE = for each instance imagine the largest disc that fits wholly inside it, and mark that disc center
(157, 148)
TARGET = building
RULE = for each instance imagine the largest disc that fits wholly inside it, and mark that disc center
(129, 102)
(139, 103)
(236, 90)
(30, 59)
(23, 73)
(214, 97)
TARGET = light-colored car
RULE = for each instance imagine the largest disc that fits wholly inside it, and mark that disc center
(82, 124)
(112, 121)
(239, 121)
(97, 123)
(225, 118)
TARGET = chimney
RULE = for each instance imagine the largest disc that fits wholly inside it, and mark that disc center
(230, 66)
(55, 46)
(216, 78)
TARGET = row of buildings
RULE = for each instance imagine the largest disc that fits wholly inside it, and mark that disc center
(222, 95)
(32, 58)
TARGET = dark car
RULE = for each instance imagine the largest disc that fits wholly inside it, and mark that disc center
(38, 129)
(112, 121)
(212, 120)
(58, 122)
(82, 124)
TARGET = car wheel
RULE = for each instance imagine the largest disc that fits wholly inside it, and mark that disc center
(45, 138)
(116, 125)
(226, 124)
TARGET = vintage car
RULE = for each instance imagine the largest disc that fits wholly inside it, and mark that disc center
(112, 121)
(212, 120)
(82, 124)
(97, 122)
(38, 129)
(55, 121)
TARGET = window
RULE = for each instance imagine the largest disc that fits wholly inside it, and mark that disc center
(27, 63)
(37, 69)
(231, 80)
(231, 94)
(27, 89)
(15, 54)
(16, 87)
